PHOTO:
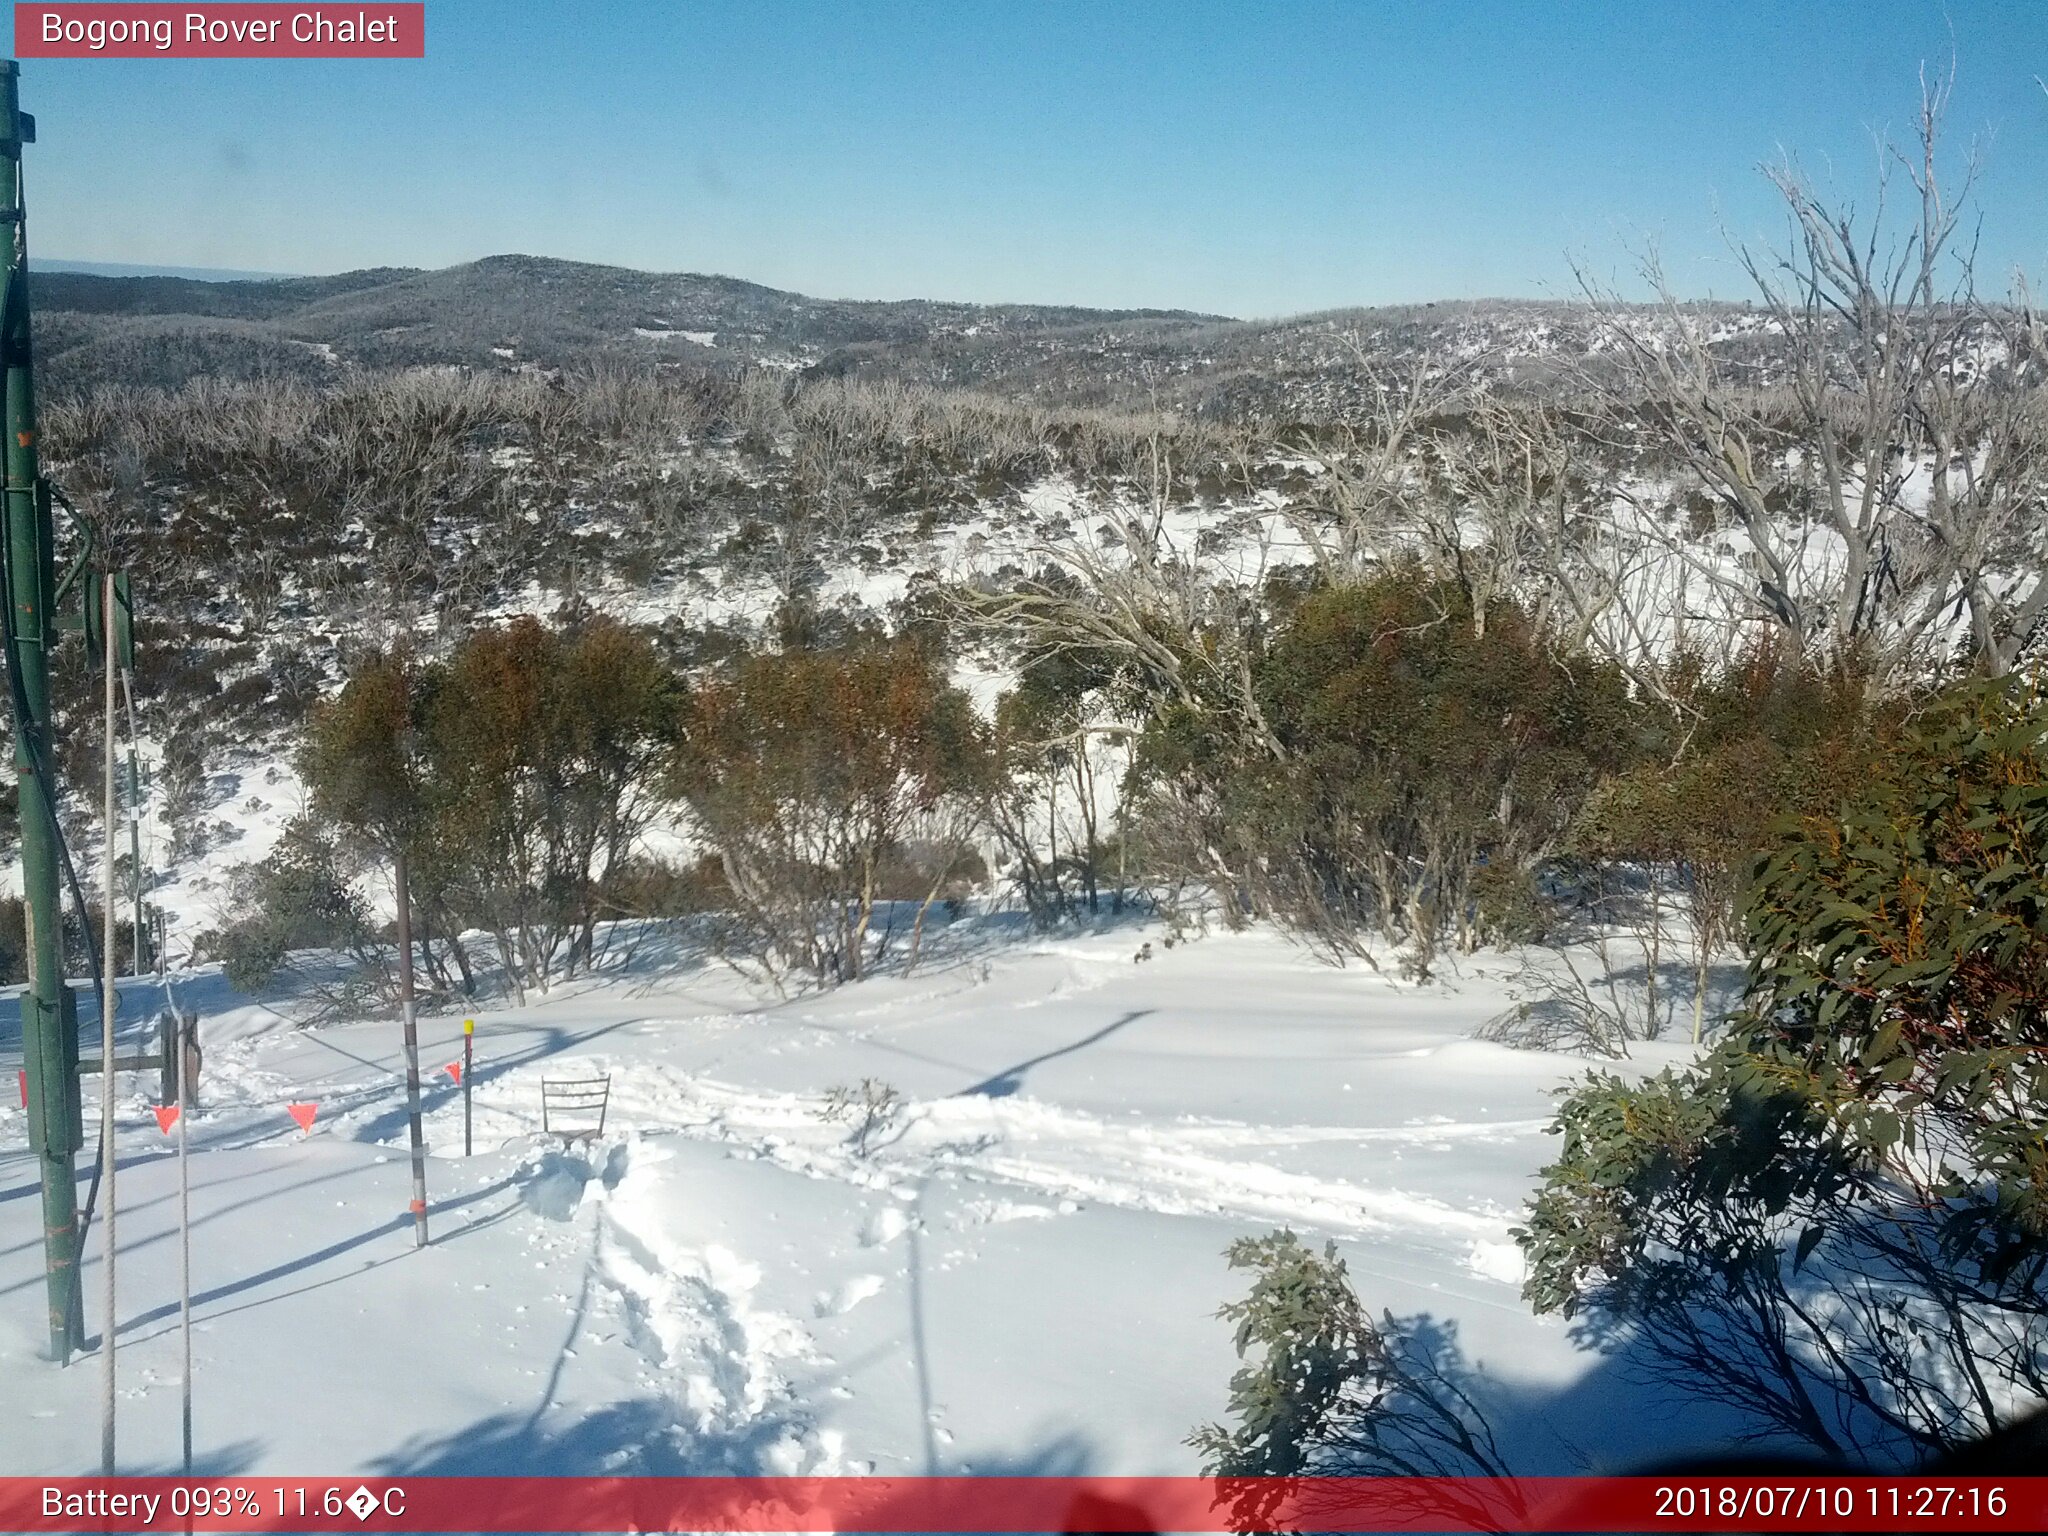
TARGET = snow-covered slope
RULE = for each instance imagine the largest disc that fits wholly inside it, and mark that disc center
(1020, 1274)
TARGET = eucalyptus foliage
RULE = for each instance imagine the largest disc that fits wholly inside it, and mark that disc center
(1326, 1389)
(1835, 1223)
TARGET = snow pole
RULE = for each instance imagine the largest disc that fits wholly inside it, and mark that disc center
(107, 1159)
(468, 1038)
(187, 1024)
(410, 1015)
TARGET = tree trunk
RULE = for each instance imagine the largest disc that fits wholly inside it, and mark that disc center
(1084, 787)
(436, 971)
(925, 906)
(1052, 832)
(461, 956)
(857, 941)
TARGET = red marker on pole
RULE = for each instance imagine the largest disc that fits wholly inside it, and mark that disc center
(166, 1117)
(468, 1039)
(303, 1113)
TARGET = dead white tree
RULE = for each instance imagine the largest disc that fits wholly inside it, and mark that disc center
(1374, 496)
(1881, 470)
(1178, 619)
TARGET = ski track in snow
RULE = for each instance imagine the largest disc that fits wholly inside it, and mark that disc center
(1050, 1157)
(1188, 1167)
(715, 1354)
(1063, 1152)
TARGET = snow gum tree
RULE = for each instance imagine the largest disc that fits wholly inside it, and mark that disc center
(360, 755)
(515, 777)
(803, 771)
(1885, 485)
(547, 746)
(1057, 735)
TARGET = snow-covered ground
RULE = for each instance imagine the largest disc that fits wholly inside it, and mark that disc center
(1020, 1274)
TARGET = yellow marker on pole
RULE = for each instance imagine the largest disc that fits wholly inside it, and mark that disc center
(468, 1036)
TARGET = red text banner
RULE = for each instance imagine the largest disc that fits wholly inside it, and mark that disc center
(995, 1506)
(237, 31)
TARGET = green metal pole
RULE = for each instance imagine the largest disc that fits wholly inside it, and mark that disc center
(53, 1118)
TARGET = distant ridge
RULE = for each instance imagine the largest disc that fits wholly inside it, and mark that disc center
(105, 325)
(129, 269)
(162, 329)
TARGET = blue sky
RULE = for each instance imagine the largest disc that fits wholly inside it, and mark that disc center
(1259, 158)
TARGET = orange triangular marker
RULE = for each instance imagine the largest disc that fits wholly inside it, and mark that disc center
(166, 1117)
(454, 1070)
(303, 1113)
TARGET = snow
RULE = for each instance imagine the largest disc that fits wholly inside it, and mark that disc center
(665, 333)
(1021, 1274)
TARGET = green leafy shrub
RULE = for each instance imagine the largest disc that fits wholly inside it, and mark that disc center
(301, 897)
(1327, 1391)
(1420, 763)
(1836, 1223)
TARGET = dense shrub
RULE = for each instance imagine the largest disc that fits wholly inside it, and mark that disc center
(1736, 750)
(1417, 760)
(1328, 1390)
(546, 745)
(302, 897)
(514, 778)
(1838, 1222)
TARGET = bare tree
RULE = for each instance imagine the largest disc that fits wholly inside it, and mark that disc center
(1375, 494)
(1885, 495)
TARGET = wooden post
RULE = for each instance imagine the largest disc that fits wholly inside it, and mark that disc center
(189, 1061)
(167, 1030)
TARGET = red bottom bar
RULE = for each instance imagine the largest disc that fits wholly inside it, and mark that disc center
(995, 1506)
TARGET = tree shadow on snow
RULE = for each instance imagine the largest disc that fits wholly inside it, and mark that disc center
(1010, 1080)
(398, 1224)
(640, 1437)
(207, 1461)
(953, 943)
(645, 1437)
(1626, 1413)
(1633, 1413)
